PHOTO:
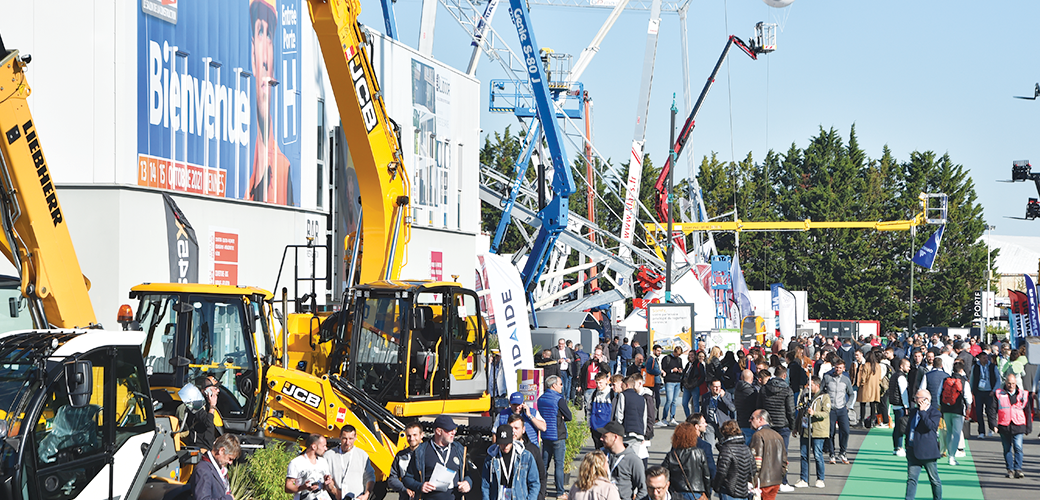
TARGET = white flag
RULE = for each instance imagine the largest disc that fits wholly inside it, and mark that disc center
(509, 315)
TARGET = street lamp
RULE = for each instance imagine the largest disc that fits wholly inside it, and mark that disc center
(989, 281)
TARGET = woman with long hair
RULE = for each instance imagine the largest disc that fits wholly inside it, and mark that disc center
(868, 383)
(689, 476)
(593, 480)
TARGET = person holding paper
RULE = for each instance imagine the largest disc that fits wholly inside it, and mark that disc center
(437, 470)
(509, 471)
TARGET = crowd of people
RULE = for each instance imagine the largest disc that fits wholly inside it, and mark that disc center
(740, 409)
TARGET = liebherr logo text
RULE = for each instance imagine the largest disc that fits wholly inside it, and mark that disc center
(301, 395)
(529, 55)
(364, 95)
(42, 173)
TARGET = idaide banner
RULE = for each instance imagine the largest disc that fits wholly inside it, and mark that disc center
(728, 339)
(508, 313)
(218, 99)
(670, 325)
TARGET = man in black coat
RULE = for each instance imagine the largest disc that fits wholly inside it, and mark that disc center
(922, 445)
(777, 399)
(745, 397)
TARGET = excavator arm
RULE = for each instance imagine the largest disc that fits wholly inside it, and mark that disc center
(372, 137)
(36, 238)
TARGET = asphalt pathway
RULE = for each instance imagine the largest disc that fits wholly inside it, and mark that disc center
(874, 472)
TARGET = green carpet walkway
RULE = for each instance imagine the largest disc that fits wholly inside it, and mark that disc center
(877, 473)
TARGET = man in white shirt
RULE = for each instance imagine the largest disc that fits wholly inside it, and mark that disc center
(947, 358)
(308, 477)
(351, 469)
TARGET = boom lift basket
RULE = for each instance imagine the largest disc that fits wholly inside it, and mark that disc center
(934, 207)
(765, 37)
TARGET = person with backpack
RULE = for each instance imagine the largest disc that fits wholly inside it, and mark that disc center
(899, 400)
(954, 402)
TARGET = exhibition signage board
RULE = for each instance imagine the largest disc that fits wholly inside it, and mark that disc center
(218, 99)
(670, 325)
(505, 305)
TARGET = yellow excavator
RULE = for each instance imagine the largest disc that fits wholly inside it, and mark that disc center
(396, 348)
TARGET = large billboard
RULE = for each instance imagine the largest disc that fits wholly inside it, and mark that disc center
(219, 99)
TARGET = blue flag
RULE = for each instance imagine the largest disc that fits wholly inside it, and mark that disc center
(925, 257)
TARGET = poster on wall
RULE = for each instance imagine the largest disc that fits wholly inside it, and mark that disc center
(224, 255)
(431, 110)
(670, 325)
(218, 100)
(728, 339)
(436, 265)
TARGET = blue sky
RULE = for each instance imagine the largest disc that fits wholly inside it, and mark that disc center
(921, 76)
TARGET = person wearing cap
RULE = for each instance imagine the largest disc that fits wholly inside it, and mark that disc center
(436, 455)
(509, 471)
(533, 422)
(554, 437)
(626, 468)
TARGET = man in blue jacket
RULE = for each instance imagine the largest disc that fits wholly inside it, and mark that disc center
(443, 456)
(556, 414)
(509, 471)
(922, 445)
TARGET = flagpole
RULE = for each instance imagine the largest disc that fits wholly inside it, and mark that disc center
(913, 232)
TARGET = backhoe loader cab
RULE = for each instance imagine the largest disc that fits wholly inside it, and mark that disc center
(75, 415)
(418, 347)
(195, 331)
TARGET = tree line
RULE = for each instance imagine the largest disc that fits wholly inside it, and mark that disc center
(848, 273)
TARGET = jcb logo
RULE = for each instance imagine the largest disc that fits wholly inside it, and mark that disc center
(301, 395)
(364, 94)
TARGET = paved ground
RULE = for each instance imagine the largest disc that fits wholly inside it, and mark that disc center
(875, 473)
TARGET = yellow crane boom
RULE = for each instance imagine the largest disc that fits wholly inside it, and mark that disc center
(371, 136)
(933, 211)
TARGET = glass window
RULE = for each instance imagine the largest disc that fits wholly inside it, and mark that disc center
(157, 315)
(64, 433)
(260, 332)
(377, 369)
(218, 347)
(131, 399)
(467, 336)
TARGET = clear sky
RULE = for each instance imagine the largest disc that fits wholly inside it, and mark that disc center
(921, 75)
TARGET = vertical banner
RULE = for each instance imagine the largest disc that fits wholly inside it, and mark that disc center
(774, 303)
(1019, 313)
(1032, 313)
(670, 325)
(508, 314)
(218, 99)
(184, 246)
(787, 316)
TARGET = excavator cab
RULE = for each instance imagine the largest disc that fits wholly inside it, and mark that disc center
(199, 331)
(417, 347)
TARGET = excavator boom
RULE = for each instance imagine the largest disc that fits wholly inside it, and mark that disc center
(372, 137)
(37, 240)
